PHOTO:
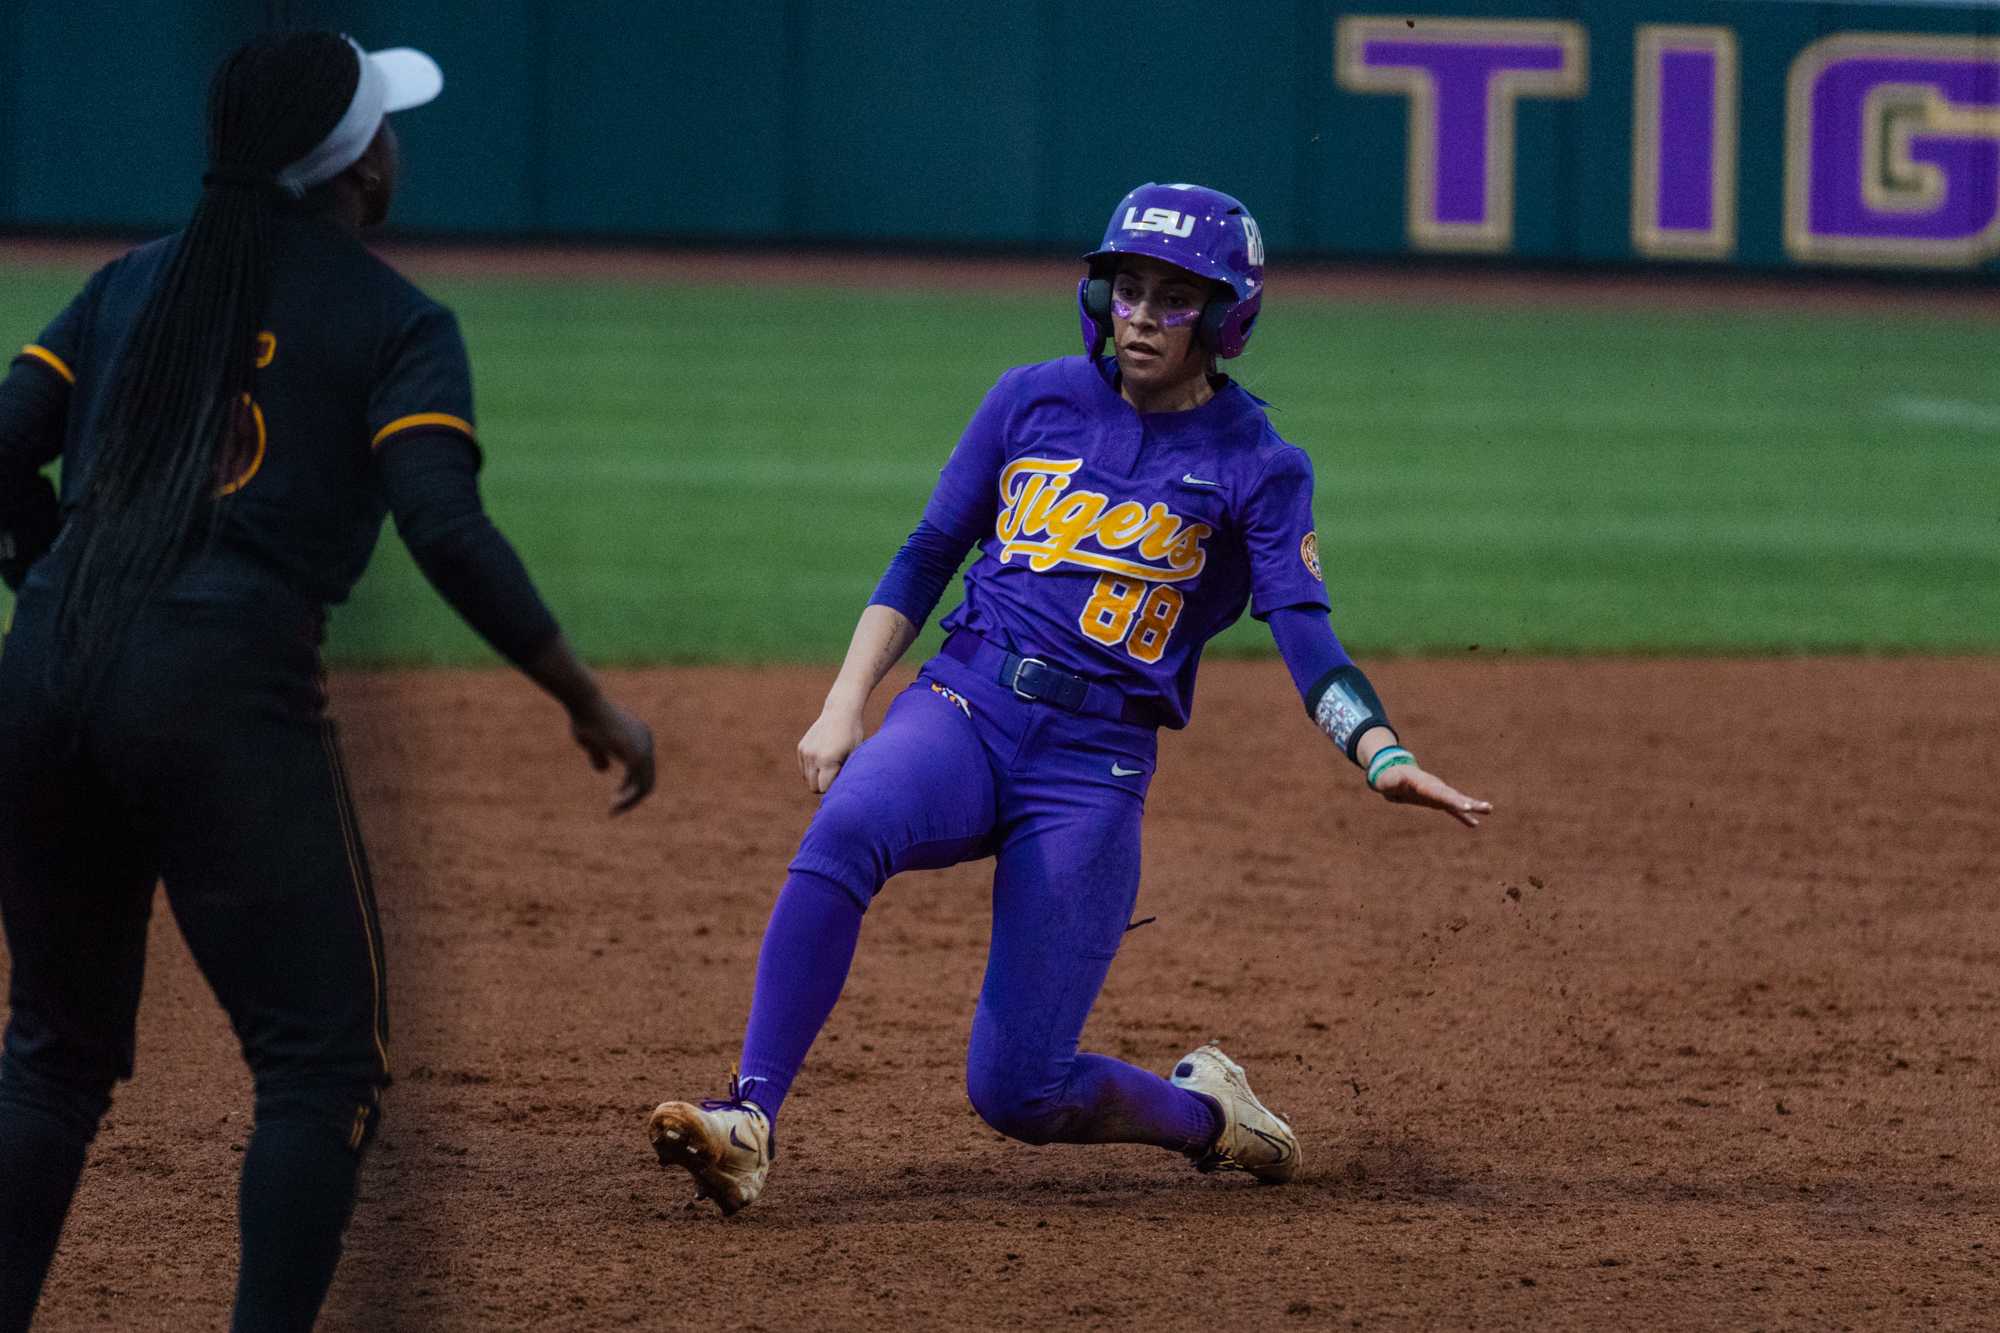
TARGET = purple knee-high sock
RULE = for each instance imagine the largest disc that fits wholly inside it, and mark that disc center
(1119, 1103)
(808, 947)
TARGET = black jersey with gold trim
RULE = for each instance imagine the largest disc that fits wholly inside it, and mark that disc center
(352, 356)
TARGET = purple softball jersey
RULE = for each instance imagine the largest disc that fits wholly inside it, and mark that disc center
(1115, 543)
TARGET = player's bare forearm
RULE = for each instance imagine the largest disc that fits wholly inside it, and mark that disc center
(606, 732)
(1373, 739)
(559, 671)
(881, 637)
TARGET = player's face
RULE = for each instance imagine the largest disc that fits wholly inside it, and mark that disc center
(1154, 310)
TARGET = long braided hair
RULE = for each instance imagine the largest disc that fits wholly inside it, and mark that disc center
(186, 370)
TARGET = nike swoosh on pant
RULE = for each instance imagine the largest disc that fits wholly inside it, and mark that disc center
(1118, 772)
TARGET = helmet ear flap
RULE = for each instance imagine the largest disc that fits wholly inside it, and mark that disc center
(1209, 330)
(1097, 300)
(1093, 298)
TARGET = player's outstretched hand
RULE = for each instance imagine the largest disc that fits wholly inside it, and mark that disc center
(826, 745)
(1407, 784)
(607, 732)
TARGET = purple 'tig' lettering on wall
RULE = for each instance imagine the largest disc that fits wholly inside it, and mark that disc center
(1893, 150)
(1687, 141)
(1684, 101)
(1462, 78)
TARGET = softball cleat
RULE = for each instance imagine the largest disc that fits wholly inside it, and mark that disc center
(726, 1145)
(1252, 1138)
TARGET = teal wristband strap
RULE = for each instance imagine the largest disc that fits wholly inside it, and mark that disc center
(1386, 758)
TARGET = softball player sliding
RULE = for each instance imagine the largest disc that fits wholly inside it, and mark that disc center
(235, 407)
(1125, 510)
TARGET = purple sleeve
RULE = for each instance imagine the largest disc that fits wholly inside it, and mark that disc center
(1306, 641)
(917, 577)
(967, 495)
(1278, 537)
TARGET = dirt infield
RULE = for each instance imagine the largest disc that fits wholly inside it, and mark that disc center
(1699, 1029)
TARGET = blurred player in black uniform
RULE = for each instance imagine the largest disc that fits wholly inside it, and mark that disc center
(236, 408)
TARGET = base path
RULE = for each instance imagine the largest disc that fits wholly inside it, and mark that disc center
(1699, 1030)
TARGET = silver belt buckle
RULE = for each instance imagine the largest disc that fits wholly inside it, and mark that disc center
(1015, 684)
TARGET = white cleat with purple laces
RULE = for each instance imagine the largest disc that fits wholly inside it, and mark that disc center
(726, 1145)
(1252, 1139)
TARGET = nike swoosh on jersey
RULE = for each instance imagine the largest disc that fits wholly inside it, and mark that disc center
(1117, 771)
(1190, 479)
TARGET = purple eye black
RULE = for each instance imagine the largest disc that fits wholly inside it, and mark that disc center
(1124, 306)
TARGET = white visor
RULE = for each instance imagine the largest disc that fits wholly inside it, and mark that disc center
(410, 78)
(392, 80)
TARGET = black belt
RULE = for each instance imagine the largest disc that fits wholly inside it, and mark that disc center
(1033, 679)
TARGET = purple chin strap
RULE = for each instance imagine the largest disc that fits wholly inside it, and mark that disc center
(1202, 231)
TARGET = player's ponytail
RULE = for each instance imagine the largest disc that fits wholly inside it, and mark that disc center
(189, 358)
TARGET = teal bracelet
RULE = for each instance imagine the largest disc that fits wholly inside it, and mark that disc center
(1386, 758)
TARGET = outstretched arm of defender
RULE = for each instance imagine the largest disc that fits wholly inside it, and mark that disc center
(429, 477)
(605, 731)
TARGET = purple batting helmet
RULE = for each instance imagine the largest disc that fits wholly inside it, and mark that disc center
(1189, 226)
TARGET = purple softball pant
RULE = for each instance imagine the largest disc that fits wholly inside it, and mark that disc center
(962, 769)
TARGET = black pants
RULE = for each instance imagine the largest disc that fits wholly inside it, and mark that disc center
(208, 764)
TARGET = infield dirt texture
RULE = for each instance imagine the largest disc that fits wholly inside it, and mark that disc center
(1699, 1030)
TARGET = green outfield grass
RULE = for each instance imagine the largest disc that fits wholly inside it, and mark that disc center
(698, 474)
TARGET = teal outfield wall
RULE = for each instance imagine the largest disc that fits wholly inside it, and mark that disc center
(1770, 133)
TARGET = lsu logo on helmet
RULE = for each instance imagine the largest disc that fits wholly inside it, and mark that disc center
(1164, 220)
